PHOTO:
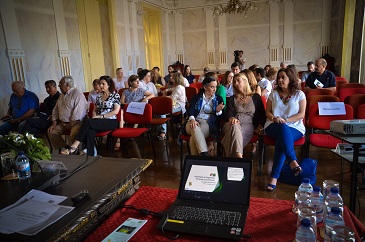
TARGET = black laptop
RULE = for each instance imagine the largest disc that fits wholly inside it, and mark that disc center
(213, 198)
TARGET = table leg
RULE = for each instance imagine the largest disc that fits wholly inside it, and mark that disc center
(353, 187)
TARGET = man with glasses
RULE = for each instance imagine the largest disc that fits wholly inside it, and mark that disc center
(202, 76)
(68, 114)
(23, 104)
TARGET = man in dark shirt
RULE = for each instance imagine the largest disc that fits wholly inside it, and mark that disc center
(42, 121)
(321, 78)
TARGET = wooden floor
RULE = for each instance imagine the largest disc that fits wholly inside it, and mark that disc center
(164, 173)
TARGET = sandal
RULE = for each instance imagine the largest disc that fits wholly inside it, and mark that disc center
(271, 187)
(297, 170)
(69, 150)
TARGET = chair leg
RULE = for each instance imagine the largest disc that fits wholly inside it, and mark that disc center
(260, 150)
(167, 143)
(151, 142)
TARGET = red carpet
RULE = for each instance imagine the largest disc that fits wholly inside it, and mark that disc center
(267, 220)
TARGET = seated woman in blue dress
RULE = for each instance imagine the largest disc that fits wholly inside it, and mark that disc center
(104, 118)
(285, 111)
(205, 113)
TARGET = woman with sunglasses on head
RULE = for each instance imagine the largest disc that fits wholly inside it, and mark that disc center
(205, 113)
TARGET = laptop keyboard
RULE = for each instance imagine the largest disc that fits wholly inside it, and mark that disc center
(204, 215)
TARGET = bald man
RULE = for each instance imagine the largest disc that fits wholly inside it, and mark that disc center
(23, 104)
(321, 78)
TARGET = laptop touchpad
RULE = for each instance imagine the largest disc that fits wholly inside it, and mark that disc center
(202, 228)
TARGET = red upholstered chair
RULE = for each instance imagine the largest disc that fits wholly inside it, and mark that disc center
(312, 92)
(354, 101)
(86, 94)
(322, 122)
(300, 73)
(130, 132)
(161, 106)
(340, 81)
(120, 92)
(345, 92)
(314, 100)
(197, 85)
(361, 111)
(99, 135)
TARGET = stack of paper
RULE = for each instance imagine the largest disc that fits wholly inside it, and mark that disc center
(32, 213)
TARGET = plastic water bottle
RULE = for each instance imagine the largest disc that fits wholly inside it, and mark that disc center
(334, 218)
(318, 202)
(333, 199)
(305, 186)
(305, 233)
(23, 167)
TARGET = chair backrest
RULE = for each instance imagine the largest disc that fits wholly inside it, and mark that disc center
(323, 121)
(133, 118)
(86, 94)
(354, 101)
(338, 78)
(161, 105)
(197, 85)
(340, 82)
(345, 92)
(349, 85)
(300, 73)
(319, 98)
(312, 92)
(120, 92)
(190, 92)
(91, 109)
(264, 101)
(361, 111)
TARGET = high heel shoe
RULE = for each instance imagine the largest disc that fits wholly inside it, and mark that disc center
(297, 170)
(69, 150)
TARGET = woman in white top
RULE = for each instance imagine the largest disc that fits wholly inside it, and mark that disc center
(285, 112)
(120, 80)
(178, 94)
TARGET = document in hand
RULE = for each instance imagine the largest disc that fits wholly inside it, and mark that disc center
(32, 213)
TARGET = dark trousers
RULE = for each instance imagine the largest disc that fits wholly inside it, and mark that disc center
(90, 128)
(37, 125)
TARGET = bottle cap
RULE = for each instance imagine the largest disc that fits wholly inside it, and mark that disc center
(335, 210)
(334, 189)
(317, 188)
(305, 222)
(305, 180)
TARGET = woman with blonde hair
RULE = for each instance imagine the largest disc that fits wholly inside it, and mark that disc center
(245, 113)
(252, 81)
(271, 76)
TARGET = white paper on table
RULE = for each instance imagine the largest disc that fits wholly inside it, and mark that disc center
(32, 213)
(136, 107)
(331, 108)
(39, 196)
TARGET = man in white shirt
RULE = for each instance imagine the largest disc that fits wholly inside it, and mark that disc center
(264, 84)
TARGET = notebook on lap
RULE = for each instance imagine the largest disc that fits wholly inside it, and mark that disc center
(213, 198)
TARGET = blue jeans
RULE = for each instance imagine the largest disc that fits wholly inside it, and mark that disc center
(284, 145)
(6, 128)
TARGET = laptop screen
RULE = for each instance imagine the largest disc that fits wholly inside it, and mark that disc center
(216, 179)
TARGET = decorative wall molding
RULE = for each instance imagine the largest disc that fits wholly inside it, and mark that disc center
(64, 57)
(223, 59)
(180, 56)
(17, 65)
(287, 53)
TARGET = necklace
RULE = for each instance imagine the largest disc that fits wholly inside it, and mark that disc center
(242, 98)
(286, 99)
